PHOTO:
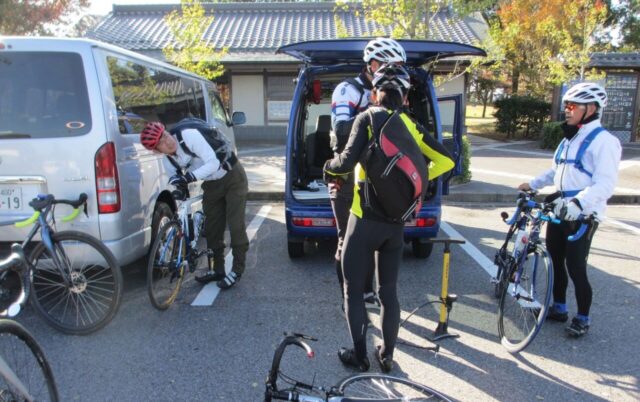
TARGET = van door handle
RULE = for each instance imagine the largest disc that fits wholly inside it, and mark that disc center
(131, 155)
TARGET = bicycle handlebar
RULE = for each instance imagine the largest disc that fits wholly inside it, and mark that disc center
(585, 221)
(44, 201)
(271, 387)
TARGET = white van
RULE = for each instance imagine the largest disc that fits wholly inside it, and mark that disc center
(71, 111)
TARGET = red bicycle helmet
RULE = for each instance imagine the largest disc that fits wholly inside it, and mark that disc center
(151, 134)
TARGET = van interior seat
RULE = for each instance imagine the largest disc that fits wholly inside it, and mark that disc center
(318, 147)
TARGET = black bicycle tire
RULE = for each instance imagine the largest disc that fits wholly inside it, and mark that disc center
(113, 268)
(150, 266)
(516, 347)
(428, 391)
(16, 329)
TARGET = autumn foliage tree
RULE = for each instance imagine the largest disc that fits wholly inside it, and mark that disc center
(189, 49)
(36, 17)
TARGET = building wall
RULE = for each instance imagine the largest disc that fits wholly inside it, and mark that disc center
(247, 95)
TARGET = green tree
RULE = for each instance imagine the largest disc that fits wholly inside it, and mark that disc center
(21, 17)
(188, 49)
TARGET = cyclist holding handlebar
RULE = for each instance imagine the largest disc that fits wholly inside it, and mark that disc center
(585, 172)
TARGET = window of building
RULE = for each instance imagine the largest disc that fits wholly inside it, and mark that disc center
(279, 95)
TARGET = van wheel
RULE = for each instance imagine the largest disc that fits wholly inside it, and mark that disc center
(161, 215)
(421, 249)
(295, 248)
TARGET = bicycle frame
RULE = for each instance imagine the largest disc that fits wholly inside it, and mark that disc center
(190, 245)
(12, 378)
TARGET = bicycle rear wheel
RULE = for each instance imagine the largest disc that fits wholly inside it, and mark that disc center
(76, 288)
(524, 302)
(25, 359)
(382, 387)
(166, 269)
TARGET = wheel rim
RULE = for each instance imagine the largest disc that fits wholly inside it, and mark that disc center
(523, 306)
(82, 297)
(381, 386)
(165, 274)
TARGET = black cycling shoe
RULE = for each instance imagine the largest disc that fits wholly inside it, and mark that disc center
(386, 363)
(577, 328)
(348, 358)
(210, 276)
(555, 315)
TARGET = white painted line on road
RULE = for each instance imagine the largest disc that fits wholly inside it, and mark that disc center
(260, 150)
(470, 249)
(210, 291)
(623, 225)
(629, 163)
(527, 178)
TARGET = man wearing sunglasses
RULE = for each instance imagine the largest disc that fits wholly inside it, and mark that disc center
(585, 172)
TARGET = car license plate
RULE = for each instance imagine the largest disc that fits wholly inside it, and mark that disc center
(10, 198)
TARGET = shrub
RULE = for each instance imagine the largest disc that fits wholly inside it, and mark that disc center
(551, 135)
(521, 112)
(465, 159)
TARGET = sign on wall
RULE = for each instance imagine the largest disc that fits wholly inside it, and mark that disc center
(621, 91)
(278, 110)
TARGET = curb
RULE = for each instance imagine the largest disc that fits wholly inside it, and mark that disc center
(486, 198)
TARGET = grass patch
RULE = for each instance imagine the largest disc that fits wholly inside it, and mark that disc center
(483, 127)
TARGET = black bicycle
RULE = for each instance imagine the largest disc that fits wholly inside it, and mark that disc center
(73, 278)
(25, 373)
(373, 387)
(524, 279)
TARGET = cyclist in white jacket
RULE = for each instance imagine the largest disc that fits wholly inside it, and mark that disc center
(585, 172)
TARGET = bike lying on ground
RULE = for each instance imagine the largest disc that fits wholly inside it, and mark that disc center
(524, 280)
(25, 374)
(73, 278)
(373, 387)
(173, 254)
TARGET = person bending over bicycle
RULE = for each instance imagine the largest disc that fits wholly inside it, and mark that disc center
(194, 145)
(584, 171)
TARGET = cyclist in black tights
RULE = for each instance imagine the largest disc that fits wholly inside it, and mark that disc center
(370, 233)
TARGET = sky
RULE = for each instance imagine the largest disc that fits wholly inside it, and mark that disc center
(104, 7)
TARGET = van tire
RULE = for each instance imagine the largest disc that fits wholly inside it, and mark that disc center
(421, 249)
(295, 248)
(161, 215)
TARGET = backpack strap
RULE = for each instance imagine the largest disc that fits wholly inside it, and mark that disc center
(184, 147)
(581, 151)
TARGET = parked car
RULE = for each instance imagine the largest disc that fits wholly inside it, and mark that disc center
(71, 111)
(326, 63)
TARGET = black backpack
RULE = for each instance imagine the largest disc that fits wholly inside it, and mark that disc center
(396, 167)
(218, 142)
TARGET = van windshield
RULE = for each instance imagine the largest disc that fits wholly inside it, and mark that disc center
(43, 95)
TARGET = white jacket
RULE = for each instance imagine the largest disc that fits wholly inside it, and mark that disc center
(206, 165)
(601, 158)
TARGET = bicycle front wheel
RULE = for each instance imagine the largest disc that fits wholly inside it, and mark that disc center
(524, 302)
(382, 387)
(166, 269)
(23, 366)
(77, 286)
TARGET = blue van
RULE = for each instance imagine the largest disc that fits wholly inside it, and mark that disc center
(327, 63)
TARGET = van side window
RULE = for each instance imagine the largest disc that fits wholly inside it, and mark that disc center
(143, 93)
(217, 110)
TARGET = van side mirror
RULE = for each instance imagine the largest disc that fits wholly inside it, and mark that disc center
(238, 118)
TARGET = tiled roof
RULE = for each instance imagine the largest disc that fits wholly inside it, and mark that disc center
(260, 28)
(615, 60)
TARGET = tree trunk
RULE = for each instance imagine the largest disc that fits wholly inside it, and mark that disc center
(515, 78)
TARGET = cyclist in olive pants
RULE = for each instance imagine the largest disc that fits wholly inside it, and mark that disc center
(195, 145)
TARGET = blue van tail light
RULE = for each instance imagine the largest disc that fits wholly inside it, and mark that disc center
(107, 186)
(313, 222)
(422, 222)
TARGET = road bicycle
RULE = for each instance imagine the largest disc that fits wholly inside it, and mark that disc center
(25, 373)
(524, 279)
(73, 279)
(173, 254)
(373, 387)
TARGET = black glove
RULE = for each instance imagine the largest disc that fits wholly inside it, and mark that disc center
(182, 180)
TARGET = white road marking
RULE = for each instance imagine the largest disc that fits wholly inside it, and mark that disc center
(482, 260)
(618, 190)
(210, 291)
(629, 163)
(623, 225)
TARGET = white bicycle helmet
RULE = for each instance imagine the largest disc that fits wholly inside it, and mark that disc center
(392, 76)
(586, 92)
(385, 50)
